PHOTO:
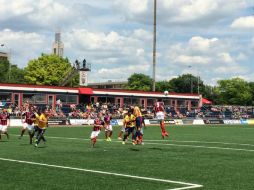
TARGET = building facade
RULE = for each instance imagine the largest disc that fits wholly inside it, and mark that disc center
(58, 46)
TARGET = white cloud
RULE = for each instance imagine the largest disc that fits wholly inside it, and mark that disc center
(20, 46)
(243, 23)
(198, 12)
(189, 60)
(225, 58)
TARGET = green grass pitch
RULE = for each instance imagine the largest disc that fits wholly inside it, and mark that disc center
(216, 157)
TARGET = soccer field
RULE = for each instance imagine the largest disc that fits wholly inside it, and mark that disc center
(193, 157)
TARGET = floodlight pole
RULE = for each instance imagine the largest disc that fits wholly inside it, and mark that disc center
(154, 43)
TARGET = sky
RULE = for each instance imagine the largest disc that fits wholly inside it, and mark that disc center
(213, 39)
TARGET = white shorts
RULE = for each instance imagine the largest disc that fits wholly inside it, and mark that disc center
(109, 128)
(24, 125)
(4, 128)
(94, 134)
(160, 115)
(30, 127)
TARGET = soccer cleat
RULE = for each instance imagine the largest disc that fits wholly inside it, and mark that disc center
(123, 142)
(35, 145)
(109, 139)
(119, 138)
(134, 143)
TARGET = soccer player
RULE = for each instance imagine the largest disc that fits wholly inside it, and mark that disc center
(29, 123)
(36, 122)
(129, 124)
(4, 122)
(160, 114)
(108, 126)
(98, 124)
(138, 116)
(43, 124)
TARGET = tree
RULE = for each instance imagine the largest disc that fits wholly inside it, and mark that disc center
(187, 83)
(17, 75)
(162, 86)
(139, 81)
(48, 70)
(4, 70)
(251, 84)
(234, 91)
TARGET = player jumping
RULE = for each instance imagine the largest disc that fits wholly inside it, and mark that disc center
(160, 114)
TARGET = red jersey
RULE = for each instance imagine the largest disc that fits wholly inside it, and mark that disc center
(107, 119)
(97, 124)
(29, 117)
(3, 118)
(159, 107)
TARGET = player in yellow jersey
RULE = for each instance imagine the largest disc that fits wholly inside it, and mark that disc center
(42, 126)
(138, 116)
(129, 124)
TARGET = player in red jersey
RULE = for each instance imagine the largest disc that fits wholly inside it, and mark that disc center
(108, 126)
(160, 114)
(98, 124)
(29, 123)
(4, 122)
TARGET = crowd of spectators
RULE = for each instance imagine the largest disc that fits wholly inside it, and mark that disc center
(89, 111)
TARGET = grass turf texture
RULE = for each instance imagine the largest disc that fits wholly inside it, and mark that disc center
(217, 157)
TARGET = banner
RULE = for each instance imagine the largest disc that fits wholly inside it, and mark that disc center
(231, 121)
(81, 121)
(213, 121)
(169, 121)
(198, 122)
(58, 121)
(188, 121)
(250, 121)
(178, 122)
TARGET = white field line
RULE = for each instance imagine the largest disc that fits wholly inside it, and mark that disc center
(179, 145)
(189, 185)
(205, 142)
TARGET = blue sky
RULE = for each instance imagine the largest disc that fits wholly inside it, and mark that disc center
(215, 37)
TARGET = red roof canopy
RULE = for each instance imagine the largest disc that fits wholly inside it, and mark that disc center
(205, 101)
(87, 91)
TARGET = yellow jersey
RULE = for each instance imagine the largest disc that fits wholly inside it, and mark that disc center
(43, 121)
(37, 118)
(137, 112)
(129, 120)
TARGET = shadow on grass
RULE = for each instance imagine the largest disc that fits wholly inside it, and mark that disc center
(155, 148)
(134, 149)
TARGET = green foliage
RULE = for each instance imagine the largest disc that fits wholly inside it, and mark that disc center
(11, 75)
(234, 91)
(17, 75)
(47, 70)
(139, 81)
(162, 86)
(186, 83)
(4, 69)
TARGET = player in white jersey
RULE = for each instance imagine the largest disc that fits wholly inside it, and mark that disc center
(160, 115)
